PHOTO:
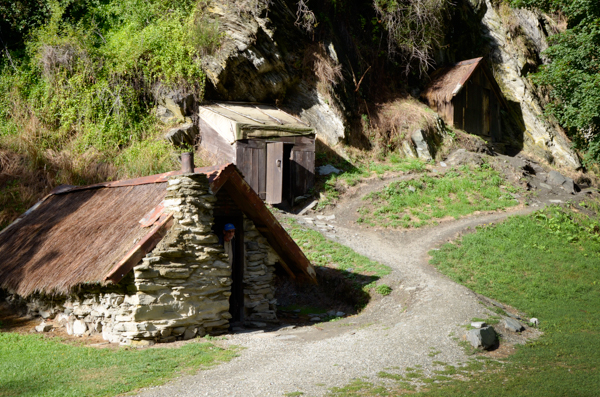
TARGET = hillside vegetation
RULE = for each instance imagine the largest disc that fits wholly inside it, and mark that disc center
(79, 80)
(573, 75)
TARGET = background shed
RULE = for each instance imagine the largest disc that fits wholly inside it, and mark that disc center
(467, 97)
(274, 150)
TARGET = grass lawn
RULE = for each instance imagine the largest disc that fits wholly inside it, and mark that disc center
(546, 264)
(32, 365)
(324, 252)
(352, 174)
(422, 201)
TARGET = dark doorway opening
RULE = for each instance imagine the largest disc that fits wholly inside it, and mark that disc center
(236, 300)
(288, 175)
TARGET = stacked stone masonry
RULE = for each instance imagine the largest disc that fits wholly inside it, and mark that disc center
(181, 289)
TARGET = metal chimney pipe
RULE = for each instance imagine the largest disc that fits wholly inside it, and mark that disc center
(187, 162)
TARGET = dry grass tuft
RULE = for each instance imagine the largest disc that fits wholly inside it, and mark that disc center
(394, 121)
(327, 73)
(64, 56)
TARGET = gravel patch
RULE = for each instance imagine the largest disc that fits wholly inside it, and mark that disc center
(425, 312)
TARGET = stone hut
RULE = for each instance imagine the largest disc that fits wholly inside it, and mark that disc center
(140, 260)
(467, 96)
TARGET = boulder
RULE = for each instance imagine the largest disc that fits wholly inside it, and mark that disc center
(43, 327)
(423, 151)
(555, 178)
(184, 134)
(190, 333)
(482, 337)
(513, 325)
(176, 101)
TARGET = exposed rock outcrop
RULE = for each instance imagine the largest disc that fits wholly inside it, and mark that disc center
(259, 62)
(516, 39)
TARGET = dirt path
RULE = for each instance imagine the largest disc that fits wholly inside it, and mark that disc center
(423, 314)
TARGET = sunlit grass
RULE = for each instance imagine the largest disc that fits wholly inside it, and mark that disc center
(31, 365)
(424, 200)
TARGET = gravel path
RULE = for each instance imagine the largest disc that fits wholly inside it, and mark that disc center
(423, 313)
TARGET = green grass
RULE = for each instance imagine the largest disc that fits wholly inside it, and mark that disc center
(425, 200)
(383, 289)
(547, 265)
(352, 174)
(31, 365)
(324, 252)
(320, 251)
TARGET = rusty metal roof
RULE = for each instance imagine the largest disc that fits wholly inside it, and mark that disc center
(97, 233)
(448, 81)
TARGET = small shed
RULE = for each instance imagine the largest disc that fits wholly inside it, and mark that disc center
(466, 96)
(141, 259)
(274, 150)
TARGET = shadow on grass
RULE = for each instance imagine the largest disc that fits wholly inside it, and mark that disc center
(338, 290)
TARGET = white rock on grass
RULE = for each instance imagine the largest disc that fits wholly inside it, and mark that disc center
(478, 324)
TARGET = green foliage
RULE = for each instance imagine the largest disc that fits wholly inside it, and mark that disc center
(383, 289)
(418, 202)
(88, 74)
(573, 76)
(31, 365)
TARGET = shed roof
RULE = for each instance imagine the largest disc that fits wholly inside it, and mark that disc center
(243, 120)
(447, 82)
(97, 233)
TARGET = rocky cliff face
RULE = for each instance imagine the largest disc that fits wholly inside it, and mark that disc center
(260, 60)
(516, 40)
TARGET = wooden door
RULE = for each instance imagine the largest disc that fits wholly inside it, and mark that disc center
(274, 172)
(486, 112)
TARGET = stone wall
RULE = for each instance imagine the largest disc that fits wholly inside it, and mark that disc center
(183, 285)
(259, 278)
(180, 290)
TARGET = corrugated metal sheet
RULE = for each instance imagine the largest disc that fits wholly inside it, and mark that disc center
(96, 233)
(447, 82)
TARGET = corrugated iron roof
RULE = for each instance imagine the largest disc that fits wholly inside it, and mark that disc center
(447, 82)
(97, 233)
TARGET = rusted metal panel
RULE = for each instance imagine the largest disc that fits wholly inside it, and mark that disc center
(151, 217)
(274, 172)
(135, 255)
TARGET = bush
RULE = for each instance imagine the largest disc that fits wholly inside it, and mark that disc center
(573, 75)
